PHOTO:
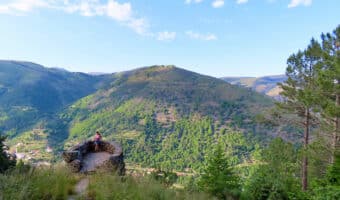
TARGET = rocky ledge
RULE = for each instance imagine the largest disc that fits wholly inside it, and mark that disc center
(83, 158)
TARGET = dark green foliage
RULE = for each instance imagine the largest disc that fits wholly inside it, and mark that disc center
(6, 161)
(300, 96)
(218, 177)
(328, 188)
(329, 87)
(164, 177)
(275, 178)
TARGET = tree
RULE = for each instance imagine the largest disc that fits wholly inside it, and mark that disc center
(6, 161)
(329, 82)
(275, 177)
(299, 94)
(218, 178)
(329, 187)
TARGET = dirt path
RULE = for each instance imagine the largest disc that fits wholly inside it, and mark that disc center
(80, 189)
(93, 160)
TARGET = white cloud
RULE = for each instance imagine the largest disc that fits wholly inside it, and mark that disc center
(241, 1)
(20, 6)
(200, 36)
(217, 3)
(166, 36)
(295, 3)
(120, 12)
(193, 1)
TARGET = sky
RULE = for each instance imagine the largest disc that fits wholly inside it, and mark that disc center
(213, 37)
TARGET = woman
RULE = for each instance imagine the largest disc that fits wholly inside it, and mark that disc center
(97, 141)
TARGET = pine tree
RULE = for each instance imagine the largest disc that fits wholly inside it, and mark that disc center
(218, 178)
(329, 82)
(275, 177)
(299, 93)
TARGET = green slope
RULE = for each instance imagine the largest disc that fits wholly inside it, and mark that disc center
(168, 116)
(30, 92)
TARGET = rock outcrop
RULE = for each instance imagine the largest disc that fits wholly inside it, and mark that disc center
(84, 158)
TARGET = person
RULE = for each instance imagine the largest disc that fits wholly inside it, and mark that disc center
(97, 141)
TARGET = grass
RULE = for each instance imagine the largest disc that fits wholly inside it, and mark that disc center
(37, 183)
(109, 186)
(57, 183)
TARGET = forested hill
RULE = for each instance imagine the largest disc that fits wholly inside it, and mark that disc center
(161, 114)
(29, 92)
(169, 116)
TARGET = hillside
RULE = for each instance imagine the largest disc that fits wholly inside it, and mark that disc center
(163, 115)
(264, 85)
(167, 116)
(30, 92)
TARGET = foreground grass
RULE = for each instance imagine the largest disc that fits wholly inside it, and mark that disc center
(37, 183)
(109, 186)
(58, 183)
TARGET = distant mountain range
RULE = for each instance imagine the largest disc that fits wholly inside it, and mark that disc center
(265, 85)
(161, 114)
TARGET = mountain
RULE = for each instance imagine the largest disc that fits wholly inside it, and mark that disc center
(30, 92)
(265, 85)
(169, 117)
(163, 116)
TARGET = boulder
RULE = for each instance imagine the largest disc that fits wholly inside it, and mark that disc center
(83, 158)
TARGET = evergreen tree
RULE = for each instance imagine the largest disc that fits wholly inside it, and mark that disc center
(299, 94)
(6, 161)
(329, 187)
(218, 178)
(274, 179)
(329, 82)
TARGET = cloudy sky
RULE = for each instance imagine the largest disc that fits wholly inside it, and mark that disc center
(214, 37)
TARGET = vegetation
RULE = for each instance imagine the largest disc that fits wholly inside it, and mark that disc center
(198, 131)
(59, 183)
(23, 85)
(218, 177)
(37, 183)
(311, 92)
(6, 161)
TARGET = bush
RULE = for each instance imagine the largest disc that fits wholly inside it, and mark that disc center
(6, 161)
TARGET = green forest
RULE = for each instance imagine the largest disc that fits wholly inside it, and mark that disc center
(229, 142)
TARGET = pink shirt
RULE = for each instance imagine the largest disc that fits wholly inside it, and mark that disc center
(97, 137)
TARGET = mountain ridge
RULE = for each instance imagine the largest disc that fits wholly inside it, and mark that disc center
(265, 84)
(150, 110)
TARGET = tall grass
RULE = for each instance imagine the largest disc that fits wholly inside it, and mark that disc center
(57, 183)
(108, 186)
(37, 183)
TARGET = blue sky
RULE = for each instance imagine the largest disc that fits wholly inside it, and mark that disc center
(214, 37)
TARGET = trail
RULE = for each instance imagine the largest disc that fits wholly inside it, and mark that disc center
(80, 189)
(90, 162)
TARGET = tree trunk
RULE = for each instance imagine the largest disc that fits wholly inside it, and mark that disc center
(305, 156)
